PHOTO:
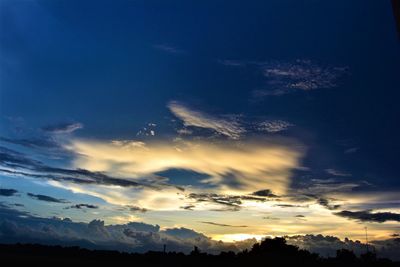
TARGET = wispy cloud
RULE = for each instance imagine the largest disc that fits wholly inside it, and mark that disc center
(337, 173)
(300, 75)
(46, 198)
(63, 128)
(190, 117)
(231, 63)
(274, 126)
(224, 225)
(169, 48)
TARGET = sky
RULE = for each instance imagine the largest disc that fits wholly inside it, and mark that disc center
(200, 120)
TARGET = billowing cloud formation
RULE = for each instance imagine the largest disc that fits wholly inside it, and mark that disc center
(141, 237)
(368, 216)
(243, 167)
(63, 128)
(130, 237)
(229, 128)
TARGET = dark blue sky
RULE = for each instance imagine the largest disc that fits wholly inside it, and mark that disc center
(317, 79)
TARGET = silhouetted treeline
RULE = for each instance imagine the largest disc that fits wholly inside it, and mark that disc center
(270, 252)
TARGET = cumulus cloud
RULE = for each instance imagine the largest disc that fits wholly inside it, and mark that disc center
(63, 128)
(368, 216)
(229, 128)
(130, 237)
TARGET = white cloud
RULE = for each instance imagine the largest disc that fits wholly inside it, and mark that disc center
(337, 173)
(305, 75)
(274, 126)
(229, 128)
(245, 166)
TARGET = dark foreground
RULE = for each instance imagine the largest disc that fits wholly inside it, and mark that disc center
(270, 252)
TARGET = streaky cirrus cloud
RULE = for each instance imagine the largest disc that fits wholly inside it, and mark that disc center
(190, 117)
(63, 128)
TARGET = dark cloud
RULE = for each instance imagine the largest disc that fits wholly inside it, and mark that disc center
(300, 216)
(46, 198)
(63, 128)
(368, 216)
(264, 193)
(326, 203)
(232, 202)
(188, 207)
(136, 209)
(81, 206)
(7, 192)
(224, 225)
(25, 166)
(216, 198)
(36, 143)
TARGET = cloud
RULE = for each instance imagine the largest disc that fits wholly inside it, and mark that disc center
(368, 216)
(337, 173)
(274, 126)
(229, 128)
(36, 143)
(46, 198)
(169, 49)
(299, 75)
(136, 208)
(303, 74)
(81, 206)
(351, 150)
(264, 193)
(18, 164)
(225, 225)
(231, 63)
(7, 192)
(326, 203)
(235, 167)
(131, 237)
(63, 128)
